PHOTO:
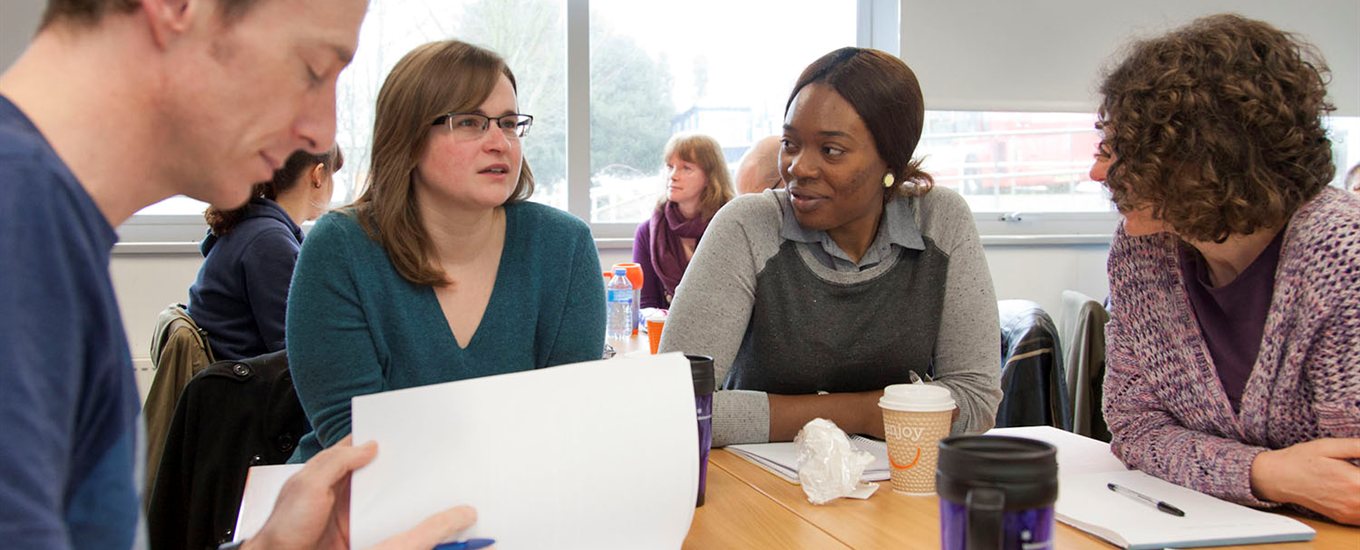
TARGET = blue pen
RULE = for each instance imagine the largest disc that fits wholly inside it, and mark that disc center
(469, 544)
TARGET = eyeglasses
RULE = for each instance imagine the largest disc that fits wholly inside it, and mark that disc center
(471, 126)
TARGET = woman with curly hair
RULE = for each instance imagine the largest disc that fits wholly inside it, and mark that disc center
(1235, 277)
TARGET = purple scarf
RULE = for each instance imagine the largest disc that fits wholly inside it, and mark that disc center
(668, 254)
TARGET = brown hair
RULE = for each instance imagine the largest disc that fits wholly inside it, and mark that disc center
(298, 164)
(705, 152)
(431, 80)
(885, 93)
(90, 12)
(1217, 126)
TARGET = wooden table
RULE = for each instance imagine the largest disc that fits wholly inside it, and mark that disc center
(747, 507)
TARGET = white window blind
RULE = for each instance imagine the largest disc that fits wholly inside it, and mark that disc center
(1047, 55)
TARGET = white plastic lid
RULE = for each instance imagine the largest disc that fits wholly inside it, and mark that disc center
(917, 398)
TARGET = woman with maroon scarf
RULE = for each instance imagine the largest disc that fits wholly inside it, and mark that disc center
(698, 184)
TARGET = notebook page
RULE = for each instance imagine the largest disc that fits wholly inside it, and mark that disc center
(1085, 502)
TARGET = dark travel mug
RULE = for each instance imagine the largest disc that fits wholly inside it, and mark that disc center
(701, 369)
(996, 492)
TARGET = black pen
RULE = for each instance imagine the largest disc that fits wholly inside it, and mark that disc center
(1140, 497)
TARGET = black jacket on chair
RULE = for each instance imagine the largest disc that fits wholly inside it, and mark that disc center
(1031, 368)
(231, 416)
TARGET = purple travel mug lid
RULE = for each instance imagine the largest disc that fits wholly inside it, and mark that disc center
(701, 369)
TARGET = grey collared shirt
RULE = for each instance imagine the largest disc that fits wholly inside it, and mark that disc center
(897, 227)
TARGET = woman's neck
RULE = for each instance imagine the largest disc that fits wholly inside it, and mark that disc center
(855, 237)
(295, 202)
(460, 235)
(1228, 259)
(689, 210)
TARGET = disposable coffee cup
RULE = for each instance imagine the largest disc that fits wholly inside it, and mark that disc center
(915, 418)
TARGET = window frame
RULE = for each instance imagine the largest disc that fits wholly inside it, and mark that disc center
(878, 25)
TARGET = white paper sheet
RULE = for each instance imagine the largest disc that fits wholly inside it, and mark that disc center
(1084, 501)
(263, 484)
(1076, 454)
(592, 455)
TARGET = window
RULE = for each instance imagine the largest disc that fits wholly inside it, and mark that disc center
(721, 68)
(1014, 162)
(715, 67)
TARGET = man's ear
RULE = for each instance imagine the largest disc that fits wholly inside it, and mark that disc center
(170, 18)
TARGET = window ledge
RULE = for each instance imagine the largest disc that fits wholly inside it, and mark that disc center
(139, 248)
(186, 248)
(1047, 240)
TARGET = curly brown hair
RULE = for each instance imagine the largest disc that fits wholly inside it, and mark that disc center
(1218, 127)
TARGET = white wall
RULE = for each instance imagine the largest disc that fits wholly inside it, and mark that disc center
(1047, 55)
(146, 283)
(18, 20)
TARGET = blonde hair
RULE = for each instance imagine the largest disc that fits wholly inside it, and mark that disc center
(705, 152)
(431, 80)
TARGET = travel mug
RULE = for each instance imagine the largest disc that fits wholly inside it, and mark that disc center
(996, 492)
(701, 369)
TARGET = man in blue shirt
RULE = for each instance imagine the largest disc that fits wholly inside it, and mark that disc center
(116, 105)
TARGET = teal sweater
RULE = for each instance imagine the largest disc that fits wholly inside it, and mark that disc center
(356, 327)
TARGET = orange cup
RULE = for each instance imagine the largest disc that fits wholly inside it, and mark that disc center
(634, 273)
(654, 327)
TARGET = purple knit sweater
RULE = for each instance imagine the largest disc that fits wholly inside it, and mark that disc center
(1163, 400)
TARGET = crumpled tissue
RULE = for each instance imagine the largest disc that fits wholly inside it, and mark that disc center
(829, 466)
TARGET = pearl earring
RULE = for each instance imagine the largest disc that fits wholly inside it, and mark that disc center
(888, 179)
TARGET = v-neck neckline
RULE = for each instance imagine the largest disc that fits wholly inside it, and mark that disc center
(491, 312)
(1207, 369)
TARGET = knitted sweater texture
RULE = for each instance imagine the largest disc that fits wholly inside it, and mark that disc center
(1163, 400)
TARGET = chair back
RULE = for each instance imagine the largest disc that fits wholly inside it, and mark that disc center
(179, 350)
(1032, 378)
(233, 415)
(1083, 337)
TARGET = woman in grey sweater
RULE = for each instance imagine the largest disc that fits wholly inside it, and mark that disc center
(813, 298)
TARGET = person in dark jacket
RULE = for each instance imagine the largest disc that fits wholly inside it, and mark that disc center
(241, 292)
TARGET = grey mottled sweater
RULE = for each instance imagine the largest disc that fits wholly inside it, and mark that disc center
(779, 315)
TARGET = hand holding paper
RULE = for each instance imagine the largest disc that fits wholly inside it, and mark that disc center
(608, 448)
(312, 510)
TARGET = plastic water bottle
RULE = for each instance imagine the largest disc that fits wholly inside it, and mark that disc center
(619, 304)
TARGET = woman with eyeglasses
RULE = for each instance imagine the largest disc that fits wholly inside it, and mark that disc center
(441, 270)
(812, 299)
(697, 185)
